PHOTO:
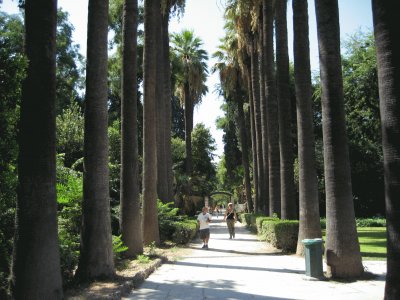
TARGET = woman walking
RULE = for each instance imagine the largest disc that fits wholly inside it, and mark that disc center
(230, 217)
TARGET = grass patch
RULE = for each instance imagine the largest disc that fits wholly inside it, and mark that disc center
(372, 242)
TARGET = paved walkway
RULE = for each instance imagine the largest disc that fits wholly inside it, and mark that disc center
(245, 268)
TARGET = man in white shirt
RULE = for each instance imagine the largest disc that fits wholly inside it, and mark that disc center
(204, 220)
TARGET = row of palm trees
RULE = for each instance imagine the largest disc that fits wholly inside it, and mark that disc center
(37, 275)
(247, 55)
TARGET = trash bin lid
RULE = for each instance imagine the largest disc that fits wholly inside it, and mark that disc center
(311, 241)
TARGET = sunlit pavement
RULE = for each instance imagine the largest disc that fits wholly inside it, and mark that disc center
(245, 268)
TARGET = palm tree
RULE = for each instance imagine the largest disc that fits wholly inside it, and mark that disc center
(161, 119)
(152, 16)
(36, 258)
(165, 173)
(272, 109)
(190, 85)
(96, 255)
(241, 13)
(264, 181)
(310, 226)
(385, 15)
(230, 78)
(255, 84)
(131, 229)
(288, 201)
(342, 248)
(253, 145)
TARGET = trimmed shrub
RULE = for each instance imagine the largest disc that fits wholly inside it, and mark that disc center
(246, 217)
(261, 219)
(362, 222)
(281, 234)
(371, 222)
(184, 231)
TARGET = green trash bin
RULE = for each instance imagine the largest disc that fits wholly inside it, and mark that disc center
(313, 256)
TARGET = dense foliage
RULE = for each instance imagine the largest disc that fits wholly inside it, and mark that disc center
(12, 72)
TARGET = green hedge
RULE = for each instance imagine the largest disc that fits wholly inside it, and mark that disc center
(261, 219)
(281, 234)
(362, 222)
(371, 222)
(184, 231)
(245, 218)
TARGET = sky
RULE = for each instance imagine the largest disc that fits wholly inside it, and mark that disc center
(205, 17)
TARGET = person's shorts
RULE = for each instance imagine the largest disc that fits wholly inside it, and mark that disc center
(204, 233)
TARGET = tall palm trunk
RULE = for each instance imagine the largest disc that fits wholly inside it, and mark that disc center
(240, 120)
(272, 110)
(131, 229)
(188, 129)
(252, 208)
(386, 14)
(162, 185)
(264, 124)
(96, 255)
(168, 106)
(152, 15)
(36, 258)
(342, 248)
(288, 201)
(310, 226)
(255, 83)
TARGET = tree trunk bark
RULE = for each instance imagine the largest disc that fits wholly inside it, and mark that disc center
(36, 257)
(272, 110)
(162, 177)
(385, 15)
(309, 226)
(131, 228)
(168, 108)
(264, 125)
(288, 201)
(152, 15)
(240, 120)
(96, 255)
(255, 83)
(342, 248)
(252, 208)
(188, 130)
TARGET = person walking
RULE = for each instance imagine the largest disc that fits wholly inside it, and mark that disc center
(204, 220)
(230, 217)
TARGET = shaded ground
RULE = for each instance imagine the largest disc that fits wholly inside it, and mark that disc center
(129, 274)
(245, 268)
(242, 268)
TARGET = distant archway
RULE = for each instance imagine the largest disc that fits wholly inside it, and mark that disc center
(220, 193)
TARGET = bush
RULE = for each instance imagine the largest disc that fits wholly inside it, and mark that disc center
(362, 222)
(118, 246)
(174, 227)
(69, 198)
(372, 222)
(261, 219)
(246, 217)
(184, 231)
(323, 223)
(281, 234)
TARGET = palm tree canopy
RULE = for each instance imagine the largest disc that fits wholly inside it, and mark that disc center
(227, 65)
(193, 67)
